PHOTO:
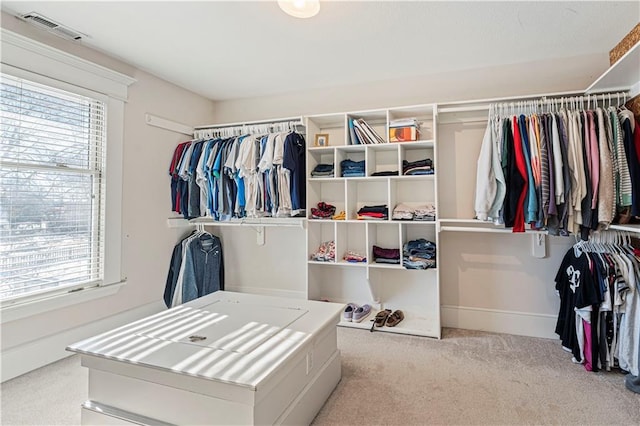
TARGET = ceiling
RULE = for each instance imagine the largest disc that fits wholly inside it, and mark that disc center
(239, 49)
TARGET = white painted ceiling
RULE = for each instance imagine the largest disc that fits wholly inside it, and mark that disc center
(238, 49)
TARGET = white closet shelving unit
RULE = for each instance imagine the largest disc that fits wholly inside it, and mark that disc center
(415, 292)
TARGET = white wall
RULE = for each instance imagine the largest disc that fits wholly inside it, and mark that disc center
(147, 241)
(277, 268)
(548, 76)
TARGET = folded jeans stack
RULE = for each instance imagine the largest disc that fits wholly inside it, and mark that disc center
(380, 212)
(419, 254)
(386, 255)
(323, 211)
(326, 252)
(322, 170)
(350, 168)
(420, 167)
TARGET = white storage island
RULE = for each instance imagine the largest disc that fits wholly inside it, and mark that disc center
(225, 358)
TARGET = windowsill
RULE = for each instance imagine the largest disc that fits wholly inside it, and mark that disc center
(57, 301)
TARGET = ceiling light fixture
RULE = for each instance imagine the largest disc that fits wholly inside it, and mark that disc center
(300, 8)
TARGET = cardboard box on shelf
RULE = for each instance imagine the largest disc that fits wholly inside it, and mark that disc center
(403, 134)
(625, 45)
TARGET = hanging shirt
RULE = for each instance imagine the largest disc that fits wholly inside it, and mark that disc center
(283, 177)
(627, 123)
(531, 200)
(606, 186)
(521, 167)
(594, 154)
(577, 289)
(622, 177)
(294, 161)
(557, 160)
(563, 209)
(490, 181)
(544, 165)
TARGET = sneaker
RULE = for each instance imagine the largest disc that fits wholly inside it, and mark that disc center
(361, 313)
(347, 315)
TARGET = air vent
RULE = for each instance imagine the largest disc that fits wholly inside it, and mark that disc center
(47, 24)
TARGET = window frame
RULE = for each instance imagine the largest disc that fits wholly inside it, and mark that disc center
(25, 58)
(98, 207)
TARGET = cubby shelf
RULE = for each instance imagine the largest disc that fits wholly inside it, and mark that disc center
(412, 324)
(416, 292)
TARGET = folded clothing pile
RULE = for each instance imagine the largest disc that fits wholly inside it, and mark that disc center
(354, 257)
(419, 254)
(380, 212)
(386, 255)
(420, 167)
(339, 216)
(386, 173)
(419, 212)
(323, 211)
(425, 212)
(326, 252)
(350, 168)
(403, 212)
(322, 170)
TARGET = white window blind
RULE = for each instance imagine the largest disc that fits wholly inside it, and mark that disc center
(52, 191)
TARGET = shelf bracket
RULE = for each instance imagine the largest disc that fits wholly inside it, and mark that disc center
(163, 123)
(373, 298)
(260, 235)
(539, 245)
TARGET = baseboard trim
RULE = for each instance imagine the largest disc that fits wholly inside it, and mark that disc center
(21, 359)
(498, 321)
(291, 294)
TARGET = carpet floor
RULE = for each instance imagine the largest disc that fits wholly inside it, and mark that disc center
(468, 377)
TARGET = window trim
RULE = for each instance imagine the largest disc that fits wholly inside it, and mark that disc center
(30, 55)
(38, 62)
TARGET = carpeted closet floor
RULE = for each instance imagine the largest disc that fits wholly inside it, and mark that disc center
(468, 377)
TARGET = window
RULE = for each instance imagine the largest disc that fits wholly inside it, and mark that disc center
(52, 189)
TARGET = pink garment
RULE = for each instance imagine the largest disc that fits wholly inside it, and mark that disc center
(587, 143)
(636, 135)
(588, 361)
(595, 159)
(518, 225)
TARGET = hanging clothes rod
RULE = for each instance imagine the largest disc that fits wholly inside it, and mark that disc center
(552, 104)
(250, 123)
(236, 129)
